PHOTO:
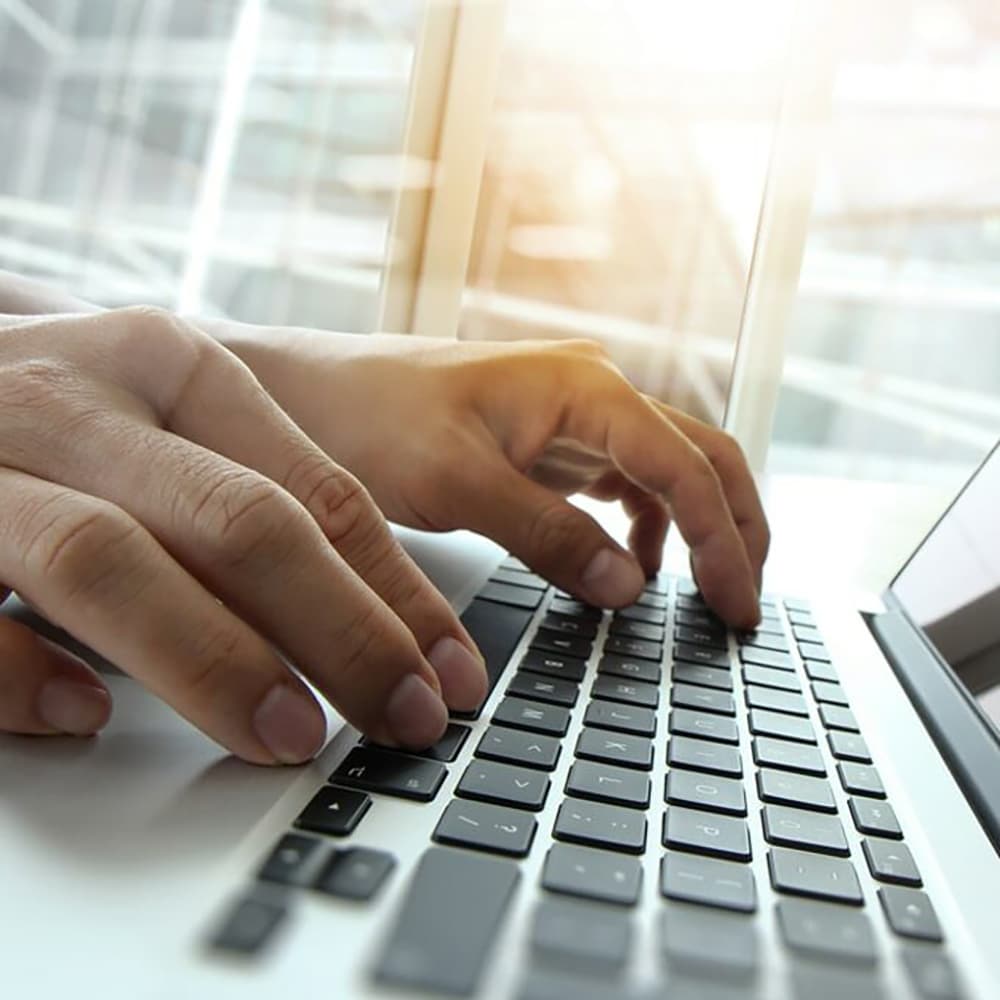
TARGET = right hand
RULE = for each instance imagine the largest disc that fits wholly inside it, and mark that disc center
(160, 507)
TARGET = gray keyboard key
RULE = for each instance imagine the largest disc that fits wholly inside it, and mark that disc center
(641, 648)
(581, 934)
(620, 718)
(804, 874)
(598, 825)
(249, 925)
(703, 699)
(504, 784)
(706, 833)
(717, 728)
(519, 597)
(786, 788)
(775, 701)
(874, 817)
(708, 677)
(827, 931)
(786, 727)
(783, 680)
(646, 600)
(838, 717)
(699, 619)
(706, 791)
(814, 651)
(615, 748)
(354, 873)
(486, 827)
(714, 951)
(554, 665)
(635, 630)
(807, 831)
(700, 755)
(765, 640)
(707, 655)
(932, 974)
(516, 747)
(640, 613)
(575, 608)
(552, 690)
(706, 880)
(833, 694)
(609, 688)
(860, 779)
(693, 635)
(468, 895)
(910, 913)
(606, 783)
(290, 861)
(890, 861)
(817, 670)
(849, 746)
(766, 658)
(786, 756)
(583, 871)
(533, 716)
(629, 668)
(807, 633)
(390, 773)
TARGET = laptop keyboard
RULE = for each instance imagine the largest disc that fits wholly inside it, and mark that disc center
(664, 664)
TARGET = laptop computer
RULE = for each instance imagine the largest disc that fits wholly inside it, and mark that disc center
(647, 805)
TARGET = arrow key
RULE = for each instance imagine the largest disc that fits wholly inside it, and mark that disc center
(503, 784)
(335, 811)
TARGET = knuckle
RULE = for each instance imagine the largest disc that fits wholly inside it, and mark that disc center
(35, 384)
(347, 512)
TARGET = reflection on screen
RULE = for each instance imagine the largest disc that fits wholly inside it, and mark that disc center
(951, 586)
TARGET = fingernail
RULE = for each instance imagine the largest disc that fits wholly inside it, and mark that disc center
(611, 579)
(290, 725)
(461, 672)
(71, 707)
(415, 716)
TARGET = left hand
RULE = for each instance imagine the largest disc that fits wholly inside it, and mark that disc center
(495, 436)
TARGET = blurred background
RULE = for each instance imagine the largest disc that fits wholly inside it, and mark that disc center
(253, 159)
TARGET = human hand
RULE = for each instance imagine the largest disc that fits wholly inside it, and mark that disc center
(160, 507)
(494, 436)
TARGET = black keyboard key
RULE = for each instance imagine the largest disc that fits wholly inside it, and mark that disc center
(621, 718)
(814, 651)
(706, 833)
(785, 788)
(708, 656)
(694, 636)
(640, 648)
(518, 597)
(783, 680)
(514, 747)
(636, 630)
(334, 811)
(598, 825)
(785, 727)
(375, 770)
(496, 629)
(704, 620)
(786, 756)
(860, 779)
(581, 935)
(766, 658)
(486, 827)
(801, 873)
(709, 677)
(354, 873)
(657, 601)
(607, 783)
(290, 861)
(615, 748)
(504, 784)
(765, 640)
(711, 952)
(537, 661)
(703, 699)
(549, 689)
(910, 913)
(932, 974)
(468, 896)
(826, 931)
(849, 746)
(706, 791)
(249, 925)
(577, 609)
(890, 861)
(836, 717)
(607, 876)
(568, 625)
(445, 750)
(832, 694)
(567, 645)
(876, 818)
(610, 688)
(629, 668)
(775, 701)
(687, 722)
(519, 578)
(533, 716)
(708, 881)
(805, 831)
(639, 613)
(700, 755)
(820, 671)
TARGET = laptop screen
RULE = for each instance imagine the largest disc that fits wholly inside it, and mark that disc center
(951, 586)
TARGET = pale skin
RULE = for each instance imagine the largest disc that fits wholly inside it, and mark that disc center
(188, 498)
